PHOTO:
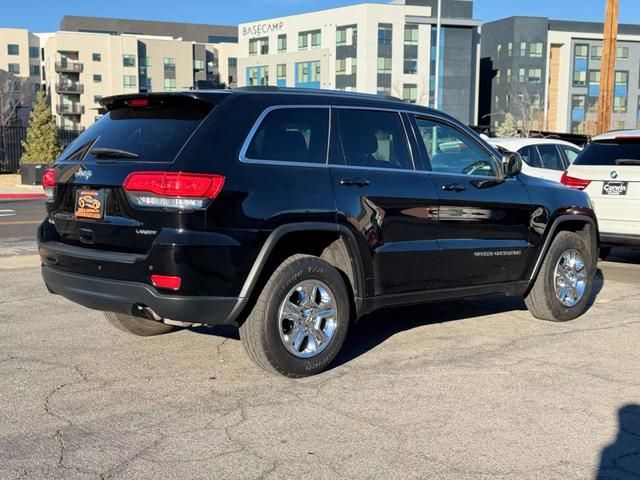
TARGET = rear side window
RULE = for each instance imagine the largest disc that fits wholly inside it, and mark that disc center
(530, 156)
(550, 157)
(152, 134)
(610, 154)
(374, 139)
(570, 153)
(292, 135)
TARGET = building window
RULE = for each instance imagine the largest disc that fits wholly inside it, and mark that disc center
(14, 68)
(384, 65)
(410, 66)
(303, 41)
(622, 53)
(145, 84)
(522, 75)
(97, 98)
(384, 91)
(198, 65)
(281, 73)
(259, 46)
(308, 74)
(97, 78)
(13, 49)
(258, 76)
(523, 49)
(232, 62)
(282, 43)
(169, 84)
(596, 52)
(221, 39)
(498, 77)
(128, 60)
(129, 81)
(594, 83)
(411, 34)
(535, 75)
(145, 62)
(34, 70)
(510, 49)
(316, 39)
(621, 91)
(169, 64)
(34, 52)
(341, 66)
(619, 125)
(580, 65)
(410, 93)
(578, 113)
(96, 57)
(341, 36)
(499, 50)
(509, 75)
(385, 33)
(535, 50)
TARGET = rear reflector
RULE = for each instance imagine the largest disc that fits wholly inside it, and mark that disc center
(172, 190)
(168, 282)
(575, 183)
(49, 183)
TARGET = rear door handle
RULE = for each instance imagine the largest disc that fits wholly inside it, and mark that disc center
(453, 187)
(355, 182)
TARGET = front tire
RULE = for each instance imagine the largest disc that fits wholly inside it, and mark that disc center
(142, 327)
(300, 320)
(563, 287)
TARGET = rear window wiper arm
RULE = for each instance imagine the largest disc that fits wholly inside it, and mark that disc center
(628, 161)
(112, 153)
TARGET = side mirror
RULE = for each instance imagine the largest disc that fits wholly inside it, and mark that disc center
(511, 164)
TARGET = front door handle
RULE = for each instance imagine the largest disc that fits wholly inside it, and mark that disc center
(354, 182)
(453, 187)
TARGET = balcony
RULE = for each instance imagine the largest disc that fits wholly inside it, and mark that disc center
(70, 109)
(69, 87)
(69, 67)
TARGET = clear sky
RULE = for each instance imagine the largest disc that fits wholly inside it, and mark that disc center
(45, 15)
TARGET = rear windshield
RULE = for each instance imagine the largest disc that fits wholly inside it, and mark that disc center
(153, 134)
(610, 154)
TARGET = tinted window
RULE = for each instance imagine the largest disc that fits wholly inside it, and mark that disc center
(609, 154)
(292, 135)
(550, 157)
(155, 134)
(530, 156)
(570, 153)
(375, 139)
(451, 151)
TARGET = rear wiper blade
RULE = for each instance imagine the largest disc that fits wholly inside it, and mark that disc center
(628, 161)
(112, 153)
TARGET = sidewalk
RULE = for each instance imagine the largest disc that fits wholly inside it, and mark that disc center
(11, 189)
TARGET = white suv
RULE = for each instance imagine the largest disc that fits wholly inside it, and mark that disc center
(542, 157)
(609, 171)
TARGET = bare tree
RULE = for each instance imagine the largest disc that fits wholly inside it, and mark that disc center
(15, 92)
(527, 111)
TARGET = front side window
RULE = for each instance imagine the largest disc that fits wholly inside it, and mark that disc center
(550, 157)
(451, 151)
(530, 156)
(373, 139)
(292, 135)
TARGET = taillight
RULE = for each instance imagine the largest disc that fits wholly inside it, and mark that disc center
(172, 190)
(168, 282)
(575, 183)
(49, 183)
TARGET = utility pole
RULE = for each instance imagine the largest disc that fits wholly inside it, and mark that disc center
(607, 70)
(436, 93)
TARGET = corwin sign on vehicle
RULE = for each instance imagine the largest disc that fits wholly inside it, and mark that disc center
(262, 28)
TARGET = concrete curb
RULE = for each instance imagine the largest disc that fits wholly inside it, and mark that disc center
(21, 196)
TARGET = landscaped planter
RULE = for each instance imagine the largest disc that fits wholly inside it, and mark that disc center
(31, 173)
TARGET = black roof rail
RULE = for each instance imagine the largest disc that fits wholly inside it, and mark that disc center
(317, 91)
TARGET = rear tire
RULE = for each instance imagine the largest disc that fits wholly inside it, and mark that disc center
(300, 320)
(142, 327)
(544, 299)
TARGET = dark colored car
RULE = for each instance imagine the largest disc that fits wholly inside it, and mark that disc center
(292, 213)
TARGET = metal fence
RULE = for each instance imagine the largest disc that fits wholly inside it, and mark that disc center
(11, 150)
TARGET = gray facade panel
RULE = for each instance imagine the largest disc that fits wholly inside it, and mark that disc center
(343, 81)
(187, 31)
(450, 8)
(459, 67)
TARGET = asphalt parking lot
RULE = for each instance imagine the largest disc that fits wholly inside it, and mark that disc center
(461, 390)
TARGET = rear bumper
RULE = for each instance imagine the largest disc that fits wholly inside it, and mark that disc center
(125, 297)
(614, 239)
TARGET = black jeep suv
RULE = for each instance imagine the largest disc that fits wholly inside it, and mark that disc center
(291, 213)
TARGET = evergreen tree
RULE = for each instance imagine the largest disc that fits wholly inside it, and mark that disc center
(42, 144)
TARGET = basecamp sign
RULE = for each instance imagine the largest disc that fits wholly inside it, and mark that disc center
(262, 28)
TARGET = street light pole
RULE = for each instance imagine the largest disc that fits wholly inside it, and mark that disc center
(436, 93)
(607, 70)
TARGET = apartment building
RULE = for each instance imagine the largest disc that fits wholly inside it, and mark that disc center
(386, 49)
(547, 73)
(20, 74)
